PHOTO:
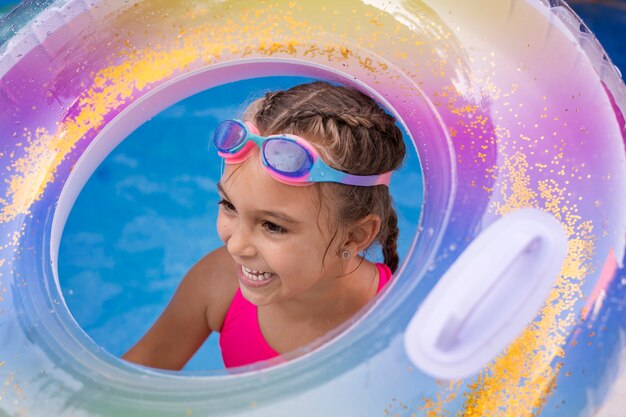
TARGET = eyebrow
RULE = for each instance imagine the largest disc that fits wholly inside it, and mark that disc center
(264, 213)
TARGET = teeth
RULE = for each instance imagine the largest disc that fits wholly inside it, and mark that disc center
(254, 275)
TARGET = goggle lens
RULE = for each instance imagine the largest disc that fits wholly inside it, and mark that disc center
(228, 136)
(287, 157)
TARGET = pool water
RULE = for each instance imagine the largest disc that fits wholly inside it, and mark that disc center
(148, 214)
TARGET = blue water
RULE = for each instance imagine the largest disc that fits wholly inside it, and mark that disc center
(148, 214)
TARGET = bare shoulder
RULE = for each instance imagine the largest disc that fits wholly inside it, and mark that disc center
(197, 308)
(214, 279)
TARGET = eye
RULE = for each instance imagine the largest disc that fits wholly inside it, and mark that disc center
(274, 229)
(226, 205)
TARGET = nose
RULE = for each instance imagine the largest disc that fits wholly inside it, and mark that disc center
(240, 244)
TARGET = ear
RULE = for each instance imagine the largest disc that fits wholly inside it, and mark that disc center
(362, 233)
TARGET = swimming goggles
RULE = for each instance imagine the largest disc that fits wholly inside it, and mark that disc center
(288, 158)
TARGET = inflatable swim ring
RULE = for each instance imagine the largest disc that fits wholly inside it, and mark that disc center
(516, 114)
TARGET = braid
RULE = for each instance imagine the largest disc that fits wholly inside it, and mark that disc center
(301, 115)
(390, 244)
(267, 102)
(269, 98)
(378, 122)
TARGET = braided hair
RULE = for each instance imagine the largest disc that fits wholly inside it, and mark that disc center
(353, 134)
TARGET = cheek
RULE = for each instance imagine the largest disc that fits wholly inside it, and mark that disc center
(308, 255)
(223, 227)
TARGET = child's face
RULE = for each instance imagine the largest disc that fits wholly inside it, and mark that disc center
(276, 233)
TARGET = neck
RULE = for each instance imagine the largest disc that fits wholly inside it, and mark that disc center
(334, 300)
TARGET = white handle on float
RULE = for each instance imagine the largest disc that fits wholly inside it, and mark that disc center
(487, 297)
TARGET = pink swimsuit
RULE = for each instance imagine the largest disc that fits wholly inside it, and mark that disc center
(241, 340)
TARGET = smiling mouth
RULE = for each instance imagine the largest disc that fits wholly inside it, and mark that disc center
(256, 277)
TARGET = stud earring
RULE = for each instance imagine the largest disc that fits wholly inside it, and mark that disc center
(345, 254)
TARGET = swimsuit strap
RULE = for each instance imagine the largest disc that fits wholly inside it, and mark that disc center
(241, 340)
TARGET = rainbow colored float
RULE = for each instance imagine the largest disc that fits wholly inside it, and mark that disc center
(511, 105)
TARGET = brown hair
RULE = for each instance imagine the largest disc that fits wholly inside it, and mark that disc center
(353, 134)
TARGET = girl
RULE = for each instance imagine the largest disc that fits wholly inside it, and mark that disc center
(304, 193)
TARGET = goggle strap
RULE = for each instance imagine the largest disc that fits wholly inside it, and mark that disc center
(368, 180)
(335, 176)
